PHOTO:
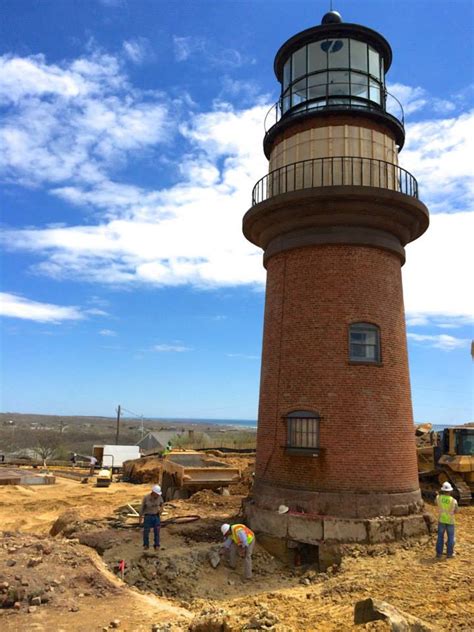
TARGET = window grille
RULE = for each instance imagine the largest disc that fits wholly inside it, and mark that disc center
(303, 431)
(364, 343)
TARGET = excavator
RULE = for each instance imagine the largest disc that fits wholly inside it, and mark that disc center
(446, 456)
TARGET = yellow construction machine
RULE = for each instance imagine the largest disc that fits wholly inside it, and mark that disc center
(104, 477)
(447, 456)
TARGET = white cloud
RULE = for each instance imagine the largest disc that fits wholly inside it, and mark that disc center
(137, 50)
(15, 306)
(243, 356)
(189, 47)
(171, 348)
(441, 341)
(436, 277)
(107, 332)
(439, 154)
(184, 47)
(72, 121)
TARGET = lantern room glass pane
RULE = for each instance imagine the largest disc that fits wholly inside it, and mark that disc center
(359, 85)
(317, 57)
(338, 53)
(287, 74)
(317, 85)
(374, 63)
(298, 92)
(338, 82)
(374, 91)
(358, 56)
(299, 63)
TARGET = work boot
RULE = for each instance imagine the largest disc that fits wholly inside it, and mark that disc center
(156, 547)
(145, 547)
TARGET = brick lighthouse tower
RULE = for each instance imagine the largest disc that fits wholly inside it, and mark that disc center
(335, 441)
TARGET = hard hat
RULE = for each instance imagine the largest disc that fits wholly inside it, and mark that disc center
(283, 509)
(446, 487)
(156, 489)
(225, 527)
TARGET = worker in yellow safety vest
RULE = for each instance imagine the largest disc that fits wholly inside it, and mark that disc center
(241, 539)
(447, 507)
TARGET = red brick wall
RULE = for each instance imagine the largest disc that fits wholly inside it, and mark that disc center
(366, 433)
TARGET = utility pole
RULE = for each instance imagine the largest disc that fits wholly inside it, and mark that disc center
(118, 426)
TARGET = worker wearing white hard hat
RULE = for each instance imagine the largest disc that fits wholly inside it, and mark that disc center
(238, 539)
(447, 507)
(150, 512)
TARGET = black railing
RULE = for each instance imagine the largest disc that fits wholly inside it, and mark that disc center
(334, 171)
(334, 95)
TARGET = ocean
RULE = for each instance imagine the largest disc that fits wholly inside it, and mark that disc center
(238, 423)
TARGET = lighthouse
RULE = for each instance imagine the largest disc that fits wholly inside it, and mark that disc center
(336, 457)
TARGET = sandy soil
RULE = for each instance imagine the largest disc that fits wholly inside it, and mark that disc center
(178, 590)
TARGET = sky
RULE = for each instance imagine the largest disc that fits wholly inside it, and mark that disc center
(130, 139)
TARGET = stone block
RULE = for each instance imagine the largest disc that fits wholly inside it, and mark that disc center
(384, 530)
(414, 526)
(401, 510)
(277, 547)
(372, 505)
(345, 531)
(265, 521)
(305, 529)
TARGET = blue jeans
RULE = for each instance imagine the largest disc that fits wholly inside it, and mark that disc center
(151, 522)
(449, 528)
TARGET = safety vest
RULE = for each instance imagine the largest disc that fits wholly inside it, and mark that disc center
(446, 506)
(235, 528)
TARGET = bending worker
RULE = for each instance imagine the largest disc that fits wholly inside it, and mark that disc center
(150, 512)
(447, 507)
(238, 537)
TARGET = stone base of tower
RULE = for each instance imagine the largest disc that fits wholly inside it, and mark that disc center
(283, 534)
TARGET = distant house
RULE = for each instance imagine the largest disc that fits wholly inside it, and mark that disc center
(155, 442)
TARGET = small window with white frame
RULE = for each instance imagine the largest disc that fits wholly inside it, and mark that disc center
(364, 343)
(302, 432)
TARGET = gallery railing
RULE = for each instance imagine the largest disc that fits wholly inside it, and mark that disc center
(334, 171)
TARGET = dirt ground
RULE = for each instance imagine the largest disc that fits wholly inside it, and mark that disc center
(63, 583)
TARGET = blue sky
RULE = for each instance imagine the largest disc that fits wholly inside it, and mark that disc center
(131, 137)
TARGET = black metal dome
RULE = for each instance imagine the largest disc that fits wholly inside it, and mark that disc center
(331, 17)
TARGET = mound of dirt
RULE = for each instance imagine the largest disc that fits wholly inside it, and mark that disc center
(67, 523)
(145, 470)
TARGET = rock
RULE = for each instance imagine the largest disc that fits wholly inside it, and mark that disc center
(4, 586)
(74, 609)
(115, 623)
(36, 601)
(374, 610)
(24, 582)
(10, 562)
(214, 559)
(17, 605)
(34, 561)
(32, 609)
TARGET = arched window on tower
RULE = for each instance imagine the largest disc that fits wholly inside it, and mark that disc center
(302, 432)
(364, 343)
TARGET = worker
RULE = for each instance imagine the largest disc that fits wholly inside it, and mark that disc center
(447, 507)
(92, 464)
(167, 450)
(150, 512)
(238, 538)
(73, 459)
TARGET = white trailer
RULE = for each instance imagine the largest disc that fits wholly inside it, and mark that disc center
(113, 456)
